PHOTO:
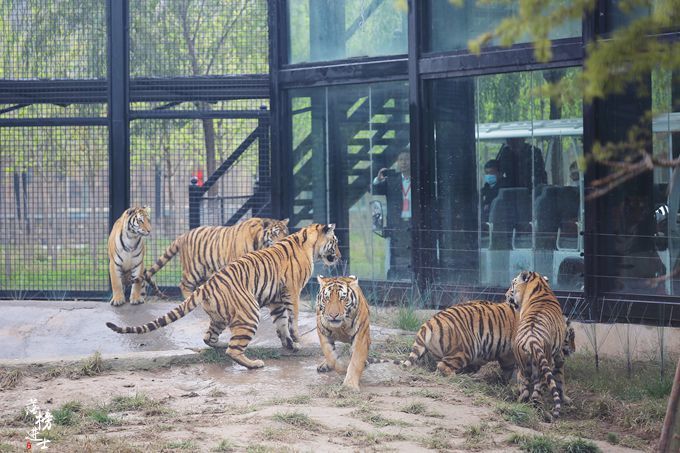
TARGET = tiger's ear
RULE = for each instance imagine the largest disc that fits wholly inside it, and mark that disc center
(147, 209)
(265, 223)
(526, 276)
(285, 221)
(546, 278)
(353, 280)
(328, 229)
(319, 278)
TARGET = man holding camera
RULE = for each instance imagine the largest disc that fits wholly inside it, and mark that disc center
(397, 189)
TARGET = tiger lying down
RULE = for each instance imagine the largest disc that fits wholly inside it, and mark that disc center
(273, 276)
(464, 337)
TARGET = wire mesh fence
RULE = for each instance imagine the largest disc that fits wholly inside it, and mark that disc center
(54, 209)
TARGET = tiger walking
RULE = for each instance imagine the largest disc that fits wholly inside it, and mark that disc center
(126, 249)
(342, 314)
(464, 337)
(273, 276)
(205, 250)
(540, 339)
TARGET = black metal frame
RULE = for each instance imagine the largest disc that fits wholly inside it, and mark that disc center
(418, 66)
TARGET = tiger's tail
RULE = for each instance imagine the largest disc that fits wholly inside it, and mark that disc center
(538, 356)
(173, 315)
(170, 252)
(419, 346)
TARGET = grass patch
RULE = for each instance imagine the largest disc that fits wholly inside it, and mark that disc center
(67, 414)
(414, 408)
(181, 445)
(293, 400)
(549, 444)
(212, 355)
(298, 420)
(101, 417)
(477, 435)
(518, 414)
(9, 379)
(225, 446)
(407, 319)
(129, 403)
(92, 366)
(428, 393)
(274, 434)
(580, 446)
(613, 438)
(264, 353)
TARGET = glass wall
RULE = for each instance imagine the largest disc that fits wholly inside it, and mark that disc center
(351, 166)
(324, 30)
(640, 240)
(451, 27)
(508, 190)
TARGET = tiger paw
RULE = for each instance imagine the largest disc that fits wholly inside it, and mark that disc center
(324, 367)
(116, 302)
(256, 364)
(350, 384)
(136, 301)
(444, 369)
(288, 343)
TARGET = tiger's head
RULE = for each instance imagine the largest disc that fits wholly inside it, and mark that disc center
(273, 231)
(522, 286)
(138, 221)
(569, 345)
(337, 299)
(326, 243)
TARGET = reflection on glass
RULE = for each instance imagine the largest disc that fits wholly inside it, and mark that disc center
(451, 27)
(508, 187)
(324, 30)
(357, 134)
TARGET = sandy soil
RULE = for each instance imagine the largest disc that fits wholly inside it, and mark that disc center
(286, 406)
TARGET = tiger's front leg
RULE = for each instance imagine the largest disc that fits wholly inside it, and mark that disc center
(136, 297)
(117, 287)
(279, 315)
(357, 362)
(293, 315)
(331, 357)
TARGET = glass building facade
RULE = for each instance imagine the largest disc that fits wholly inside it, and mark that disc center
(451, 170)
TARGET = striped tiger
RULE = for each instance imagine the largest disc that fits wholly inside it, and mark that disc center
(342, 314)
(205, 250)
(464, 337)
(126, 254)
(272, 276)
(540, 338)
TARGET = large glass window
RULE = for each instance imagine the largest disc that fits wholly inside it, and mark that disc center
(351, 166)
(451, 27)
(640, 241)
(324, 30)
(508, 189)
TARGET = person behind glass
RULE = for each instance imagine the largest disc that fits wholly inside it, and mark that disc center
(574, 175)
(490, 189)
(397, 189)
(515, 164)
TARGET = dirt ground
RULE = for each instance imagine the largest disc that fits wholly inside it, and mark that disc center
(215, 405)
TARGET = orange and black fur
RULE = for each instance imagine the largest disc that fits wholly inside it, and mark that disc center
(464, 337)
(540, 339)
(273, 276)
(205, 250)
(342, 314)
(126, 255)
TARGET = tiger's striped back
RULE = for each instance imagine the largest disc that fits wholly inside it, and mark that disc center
(272, 276)
(466, 336)
(540, 337)
(205, 250)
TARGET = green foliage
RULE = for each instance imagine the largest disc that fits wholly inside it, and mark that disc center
(407, 319)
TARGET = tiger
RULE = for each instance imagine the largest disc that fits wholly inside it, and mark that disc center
(273, 276)
(126, 249)
(464, 337)
(540, 338)
(204, 250)
(342, 314)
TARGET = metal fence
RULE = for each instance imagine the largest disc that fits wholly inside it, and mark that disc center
(106, 104)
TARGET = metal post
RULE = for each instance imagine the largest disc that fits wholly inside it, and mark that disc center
(24, 183)
(195, 195)
(158, 207)
(118, 97)
(263, 184)
(17, 195)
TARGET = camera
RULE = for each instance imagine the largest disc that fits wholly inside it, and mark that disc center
(389, 172)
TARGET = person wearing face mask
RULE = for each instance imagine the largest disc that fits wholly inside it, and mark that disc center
(574, 175)
(490, 188)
